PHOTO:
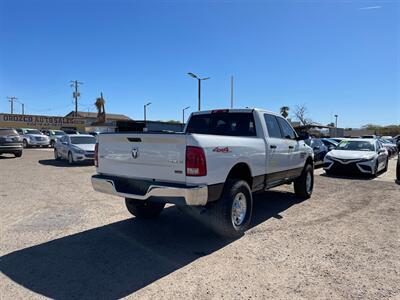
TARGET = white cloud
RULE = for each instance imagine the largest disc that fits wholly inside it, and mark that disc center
(370, 7)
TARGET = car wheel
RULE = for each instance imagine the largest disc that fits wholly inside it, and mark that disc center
(18, 154)
(231, 214)
(398, 170)
(303, 186)
(25, 144)
(52, 144)
(70, 158)
(56, 156)
(144, 209)
(386, 165)
(375, 174)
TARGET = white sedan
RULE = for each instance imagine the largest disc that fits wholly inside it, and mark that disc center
(75, 147)
(357, 156)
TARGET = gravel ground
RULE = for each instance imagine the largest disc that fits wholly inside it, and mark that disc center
(60, 239)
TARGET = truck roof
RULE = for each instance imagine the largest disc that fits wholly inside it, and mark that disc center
(233, 110)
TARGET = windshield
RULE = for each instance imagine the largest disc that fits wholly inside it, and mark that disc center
(58, 132)
(83, 140)
(356, 146)
(33, 131)
(333, 142)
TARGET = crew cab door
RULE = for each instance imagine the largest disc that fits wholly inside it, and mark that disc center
(293, 161)
(276, 150)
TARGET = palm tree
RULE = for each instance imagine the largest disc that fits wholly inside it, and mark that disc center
(285, 111)
(101, 112)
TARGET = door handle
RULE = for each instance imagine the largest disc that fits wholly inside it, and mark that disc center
(272, 146)
(291, 147)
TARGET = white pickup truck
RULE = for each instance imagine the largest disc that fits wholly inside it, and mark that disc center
(221, 158)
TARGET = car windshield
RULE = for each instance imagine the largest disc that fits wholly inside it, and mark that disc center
(333, 142)
(58, 132)
(83, 140)
(356, 146)
(33, 131)
(8, 132)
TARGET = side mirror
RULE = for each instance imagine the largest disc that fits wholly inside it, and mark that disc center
(316, 148)
(382, 150)
(65, 143)
(331, 148)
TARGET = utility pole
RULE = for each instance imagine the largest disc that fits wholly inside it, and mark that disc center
(11, 99)
(231, 91)
(199, 87)
(75, 84)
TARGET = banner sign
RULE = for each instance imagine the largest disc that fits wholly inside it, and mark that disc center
(38, 121)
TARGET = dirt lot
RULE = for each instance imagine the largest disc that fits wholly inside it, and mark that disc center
(62, 240)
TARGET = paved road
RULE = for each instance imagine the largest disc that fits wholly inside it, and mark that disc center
(59, 239)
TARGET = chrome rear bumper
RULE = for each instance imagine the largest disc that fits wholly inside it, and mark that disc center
(197, 195)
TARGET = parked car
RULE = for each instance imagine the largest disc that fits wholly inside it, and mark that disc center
(319, 149)
(337, 139)
(53, 135)
(71, 131)
(391, 147)
(10, 142)
(330, 143)
(94, 133)
(75, 147)
(357, 156)
(216, 164)
(369, 136)
(33, 137)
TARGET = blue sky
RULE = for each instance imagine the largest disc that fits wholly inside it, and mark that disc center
(336, 57)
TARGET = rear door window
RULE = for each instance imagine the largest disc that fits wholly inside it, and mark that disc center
(273, 128)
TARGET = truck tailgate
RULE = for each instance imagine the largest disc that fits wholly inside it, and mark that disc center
(159, 157)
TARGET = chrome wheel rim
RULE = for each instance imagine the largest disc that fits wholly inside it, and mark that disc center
(308, 182)
(239, 209)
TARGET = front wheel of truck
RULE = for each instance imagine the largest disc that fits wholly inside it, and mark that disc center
(144, 209)
(303, 186)
(231, 214)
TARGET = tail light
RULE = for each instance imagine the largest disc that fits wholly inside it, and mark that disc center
(96, 155)
(195, 161)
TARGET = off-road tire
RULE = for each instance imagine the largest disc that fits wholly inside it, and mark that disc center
(18, 154)
(300, 184)
(144, 209)
(220, 211)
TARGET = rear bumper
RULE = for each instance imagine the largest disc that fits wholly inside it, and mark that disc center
(144, 190)
(10, 149)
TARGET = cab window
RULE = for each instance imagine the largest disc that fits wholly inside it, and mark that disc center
(287, 131)
(272, 126)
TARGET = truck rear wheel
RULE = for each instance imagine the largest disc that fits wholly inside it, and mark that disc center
(232, 213)
(303, 186)
(144, 209)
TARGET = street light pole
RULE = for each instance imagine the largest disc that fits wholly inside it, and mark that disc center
(183, 115)
(145, 110)
(199, 87)
(336, 131)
